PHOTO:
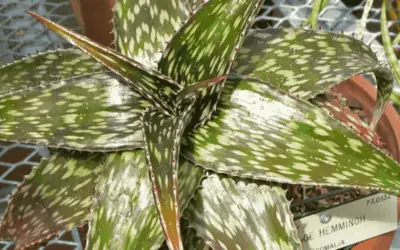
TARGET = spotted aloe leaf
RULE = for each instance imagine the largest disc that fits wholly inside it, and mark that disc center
(191, 240)
(125, 215)
(90, 112)
(263, 134)
(162, 143)
(143, 28)
(335, 105)
(41, 207)
(44, 68)
(258, 216)
(205, 47)
(306, 63)
(193, 90)
(154, 86)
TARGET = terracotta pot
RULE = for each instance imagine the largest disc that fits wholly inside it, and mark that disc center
(94, 17)
(359, 91)
(381, 242)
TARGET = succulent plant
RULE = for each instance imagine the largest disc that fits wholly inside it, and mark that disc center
(181, 134)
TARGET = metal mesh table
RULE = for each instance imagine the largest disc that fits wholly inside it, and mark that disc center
(21, 35)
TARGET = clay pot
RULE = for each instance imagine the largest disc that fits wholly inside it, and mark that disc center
(94, 18)
(359, 91)
(381, 242)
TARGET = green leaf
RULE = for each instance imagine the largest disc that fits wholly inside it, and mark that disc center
(90, 112)
(396, 39)
(154, 86)
(41, 207)
(261, 133)
(142, 29)
(306, 63)
(364, 18)
(239, 215)
(192, 90)
(387, 44)
(162, 144)
(191, 240)
(395, 97)
(125, 216)
(318, 7)
(45, 68)
(332, 103)
(206, 46)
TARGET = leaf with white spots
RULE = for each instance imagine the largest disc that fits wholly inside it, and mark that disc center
(155, 87)
(44, 68)
(206, 46)
(162, 144)
(90, 112)
(143, 28)
(194, 89)
(240, 215)
(191, 241)
(125, 215)
(56, 196)
(306, 63)
(261, 133)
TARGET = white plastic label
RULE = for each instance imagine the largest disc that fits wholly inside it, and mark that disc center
(348, 224)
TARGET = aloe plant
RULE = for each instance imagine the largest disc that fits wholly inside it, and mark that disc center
(178, 137)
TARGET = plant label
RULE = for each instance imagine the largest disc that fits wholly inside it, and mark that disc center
(349, 223)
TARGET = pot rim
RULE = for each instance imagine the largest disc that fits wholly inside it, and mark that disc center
(366, 94)
(388, 128)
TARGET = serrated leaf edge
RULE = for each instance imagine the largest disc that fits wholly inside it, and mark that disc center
(39, 53)
(276, 188)
(50, 234)
(379, 67)
(234, 53)
(279, 180)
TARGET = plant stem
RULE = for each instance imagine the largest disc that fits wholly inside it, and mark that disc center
(387, 44)
(363, 21)
(313, 18)
(396, 40)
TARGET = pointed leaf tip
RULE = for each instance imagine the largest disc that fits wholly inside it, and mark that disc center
(162, 152)
(191, 90)
(149, 83)
(206, 46)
